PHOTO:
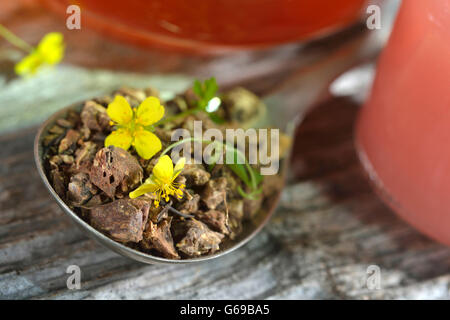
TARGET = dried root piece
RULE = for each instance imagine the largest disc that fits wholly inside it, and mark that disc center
(64, 123)
(60, 159)
(69, 142)
(95, 181)
(233, 182)
(160, 213)
(242, 105)
(94, 116)
(235, 217)
(159, 238)
(214, 192)
(199, 239)
(251, 207)
(80, 189)
(57, 129)
(189, 204)
(113, 167)
(52, 139)
(58, 182)
(95, 201)
(195, 175)
(272, 184)
(122, 220)
(85, 154)
(134, 96)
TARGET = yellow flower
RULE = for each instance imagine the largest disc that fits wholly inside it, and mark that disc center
(161, 182)
(48, 52)
(132, 125)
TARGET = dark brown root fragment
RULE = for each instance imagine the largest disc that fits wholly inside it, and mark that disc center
(235, 217)
(158, 214)
(195, 175)
(211, 207)
(58, 182)
(198, 239)
(94, 116)
(251, 207)
(64, 123)
(214, 192)
(157, 236)
(189, 203)
(68, 143)
(80, 189)
(114, 166)
(215, 219)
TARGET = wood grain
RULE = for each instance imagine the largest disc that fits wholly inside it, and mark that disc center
(328, 229)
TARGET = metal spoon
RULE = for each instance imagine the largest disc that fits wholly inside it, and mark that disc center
(286, 104)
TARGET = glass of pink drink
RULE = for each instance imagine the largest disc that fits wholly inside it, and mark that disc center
(215, 25)
(403, 132)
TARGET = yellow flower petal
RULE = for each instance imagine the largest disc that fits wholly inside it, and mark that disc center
(120, 111)
(149, 111)
(51, 48)
(179, 167)
(148, 186)
(147, 144)
(163, 170)
(120, 138)
(29, 65)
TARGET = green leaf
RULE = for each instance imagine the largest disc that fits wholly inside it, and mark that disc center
(210, 88)
(237, 168)
(197, 88)
(211, 166)
(243, 193)
(214, 158)
(252, 195)
(258, 176)
(205, 91)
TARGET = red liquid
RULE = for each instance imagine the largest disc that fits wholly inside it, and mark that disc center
(214, 24)
(404, 130)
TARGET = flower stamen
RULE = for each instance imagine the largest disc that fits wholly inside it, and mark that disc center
(162, 183)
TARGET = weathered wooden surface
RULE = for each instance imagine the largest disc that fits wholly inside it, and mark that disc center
(328, 229)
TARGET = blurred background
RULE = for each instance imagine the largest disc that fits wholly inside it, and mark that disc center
(261, 46)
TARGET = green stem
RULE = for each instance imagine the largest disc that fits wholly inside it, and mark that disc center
(173, 145)
(252, 176)
(247, 165)
(15, 40)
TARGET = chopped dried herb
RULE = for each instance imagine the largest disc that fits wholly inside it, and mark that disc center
(122, 220)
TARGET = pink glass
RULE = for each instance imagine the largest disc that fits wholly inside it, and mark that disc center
(403, 133)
